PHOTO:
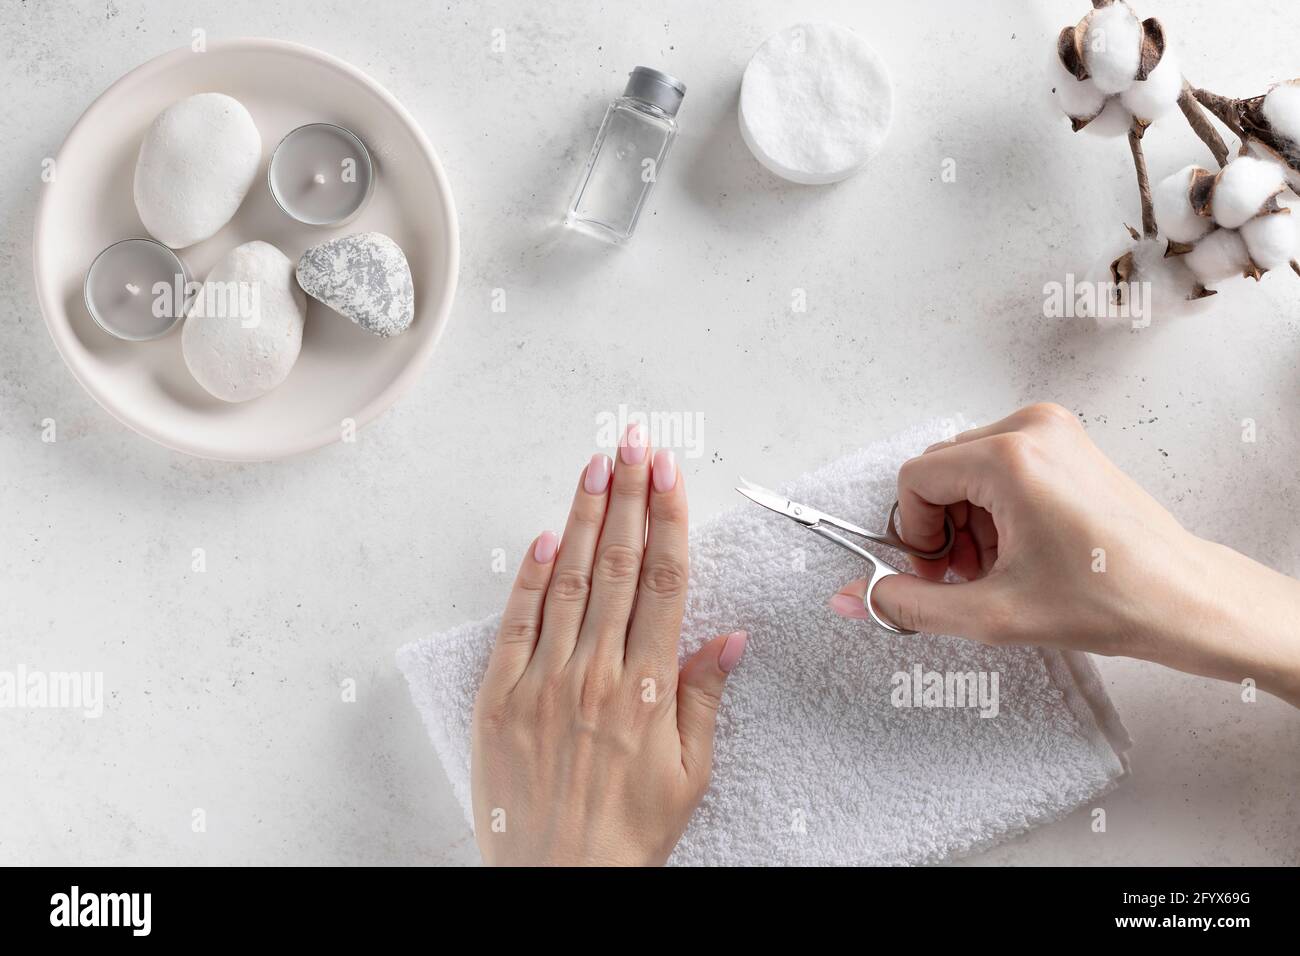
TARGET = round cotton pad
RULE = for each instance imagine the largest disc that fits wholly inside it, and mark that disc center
(815, 103)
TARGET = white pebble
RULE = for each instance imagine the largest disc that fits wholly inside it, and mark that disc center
(1112, 47)
(816, 102)
(1155, 96)
(197, 162)
(244, 331)
(1243, 187)
(1282, 110)
(1220, 255)
(1172, 204)
(1271, 240)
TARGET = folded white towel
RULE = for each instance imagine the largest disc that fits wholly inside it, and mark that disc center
(814, 763)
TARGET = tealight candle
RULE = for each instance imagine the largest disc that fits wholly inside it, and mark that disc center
(136, 289)
(321, 174)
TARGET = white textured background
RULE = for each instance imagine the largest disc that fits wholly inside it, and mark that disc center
(924, 299)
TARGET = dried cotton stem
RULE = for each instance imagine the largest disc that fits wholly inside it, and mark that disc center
(1149, 228)
(1201, 126)
(1222, 107)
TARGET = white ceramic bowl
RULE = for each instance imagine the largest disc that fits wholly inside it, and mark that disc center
(344, 373)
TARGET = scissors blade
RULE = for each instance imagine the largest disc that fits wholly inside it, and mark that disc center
(779, 503)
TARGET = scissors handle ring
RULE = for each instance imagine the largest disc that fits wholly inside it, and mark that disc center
(879, 571)
(892, 538)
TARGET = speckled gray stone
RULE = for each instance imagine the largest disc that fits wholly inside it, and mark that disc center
(363, 276)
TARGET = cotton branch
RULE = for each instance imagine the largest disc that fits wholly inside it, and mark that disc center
(1201, 126)
(1149, 229)
(1222, 107)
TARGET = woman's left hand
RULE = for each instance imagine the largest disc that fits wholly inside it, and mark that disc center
(589, 746)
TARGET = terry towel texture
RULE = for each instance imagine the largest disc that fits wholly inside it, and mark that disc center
(814, 763)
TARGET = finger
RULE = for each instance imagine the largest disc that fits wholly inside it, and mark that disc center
(699, 692)
(971, 610)
(926, 485)
(929, 483)
(566, 600)
(661, 593)
(1016, 420)
(964, 558)
(971, 434)
(617, 565)
(522, 618)
(985, 535)
(934, 569)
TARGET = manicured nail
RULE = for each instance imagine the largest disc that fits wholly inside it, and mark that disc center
(548, 542)
(597, 478)
(732, 651)
(664, 470)
(846, 605)
(633, 450)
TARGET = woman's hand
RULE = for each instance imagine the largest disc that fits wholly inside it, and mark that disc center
(589, 746)
(1062, 548)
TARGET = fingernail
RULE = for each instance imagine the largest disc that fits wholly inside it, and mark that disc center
(633, 450)
(548, 542)
(732, 651)
(597, 478)
(664, 471)
(846, 605)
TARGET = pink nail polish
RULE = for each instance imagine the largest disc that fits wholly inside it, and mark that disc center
(548, 542)
(597, 478)
(846, 605)
(664, 470)
(732, 651)
(632, 451)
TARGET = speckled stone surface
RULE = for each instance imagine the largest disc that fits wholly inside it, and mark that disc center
(364, 277)
(924, 297)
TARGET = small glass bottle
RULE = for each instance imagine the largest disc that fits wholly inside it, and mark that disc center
(627, 157)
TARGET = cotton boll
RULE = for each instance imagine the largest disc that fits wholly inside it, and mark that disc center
(1153, 97)
(1172, 204)
(1112, 47)
(1171, 287)
(1261, 151)
(1168, 290)
(1114, 120)
(1220, 255)
(1243, 187)
(1271, 240)
(1282, 110)
(1078, 99)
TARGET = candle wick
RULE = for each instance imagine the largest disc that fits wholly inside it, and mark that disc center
(319, 179)
(132, 288)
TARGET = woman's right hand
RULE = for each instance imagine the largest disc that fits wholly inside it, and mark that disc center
(1059, 547)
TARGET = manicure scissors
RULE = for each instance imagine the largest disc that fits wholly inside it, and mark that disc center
(830, 527)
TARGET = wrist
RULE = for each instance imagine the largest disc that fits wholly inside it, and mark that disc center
(1230, 618)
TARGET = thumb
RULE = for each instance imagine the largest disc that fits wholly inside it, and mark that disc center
(699, 692)
(969, 609)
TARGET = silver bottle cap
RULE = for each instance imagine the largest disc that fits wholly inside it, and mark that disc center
(656, 88)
